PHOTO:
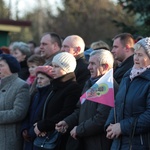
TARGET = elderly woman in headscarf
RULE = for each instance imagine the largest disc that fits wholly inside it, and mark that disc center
(130, 127)
(14, 103)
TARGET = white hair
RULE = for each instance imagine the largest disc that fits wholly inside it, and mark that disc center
(104, 57)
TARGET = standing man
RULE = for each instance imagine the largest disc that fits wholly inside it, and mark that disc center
(50, 45)
(123, 53)
(87, 121)
(75, 45)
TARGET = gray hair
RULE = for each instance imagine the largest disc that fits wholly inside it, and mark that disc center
(22, 47)
(104, 57)
(145, 44)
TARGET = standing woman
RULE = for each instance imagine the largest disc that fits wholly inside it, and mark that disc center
(43, 76)
(21, 52)
(65, 93)
(132, 105)
(14, 103)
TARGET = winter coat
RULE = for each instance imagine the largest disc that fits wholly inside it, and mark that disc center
(37, 103)
(122, 68)
(132, 101)
(24, 72)
(62, 102)
(90, 118)
(14, 103)
(81, 71)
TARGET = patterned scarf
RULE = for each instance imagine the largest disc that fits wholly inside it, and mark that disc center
(93, 80)
(136, 72)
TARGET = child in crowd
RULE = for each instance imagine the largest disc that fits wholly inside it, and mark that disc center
(33, 62)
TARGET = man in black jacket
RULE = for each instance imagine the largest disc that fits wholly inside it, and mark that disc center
(123, 53)
(87, 121)
(75, 45)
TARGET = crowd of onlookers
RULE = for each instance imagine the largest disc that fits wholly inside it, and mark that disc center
(41, 86)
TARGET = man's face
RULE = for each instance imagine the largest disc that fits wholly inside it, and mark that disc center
(118, 50)
(46, 46)
(31, 46)
(68, 47)
(96, 69)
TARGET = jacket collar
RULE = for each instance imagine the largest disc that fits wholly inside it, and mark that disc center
(80, 56)
(145, 74)
(126, 61)
(9, 79)
(61, 82)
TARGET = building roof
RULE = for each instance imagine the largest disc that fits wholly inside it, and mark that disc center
(12, 25)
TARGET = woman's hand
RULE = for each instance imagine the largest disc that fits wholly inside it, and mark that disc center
(36, 130)
(113, 131)
(61, 126)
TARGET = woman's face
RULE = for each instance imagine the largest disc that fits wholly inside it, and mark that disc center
(57, 71)
(141, 59)
(42, 80)
(18, 55)
(4, 69)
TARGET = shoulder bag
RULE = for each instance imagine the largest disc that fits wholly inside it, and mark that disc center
(52, 140)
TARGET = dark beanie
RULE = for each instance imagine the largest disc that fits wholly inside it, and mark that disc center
(12, 62)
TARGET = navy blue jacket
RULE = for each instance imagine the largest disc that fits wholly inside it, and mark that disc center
(132, 101)
(35, 107)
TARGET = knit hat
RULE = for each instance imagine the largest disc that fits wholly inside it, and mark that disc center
(47, 70)
(12, 62)
(145, 43)
(66, 61)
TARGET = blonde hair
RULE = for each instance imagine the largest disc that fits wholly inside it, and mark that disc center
(99, 45)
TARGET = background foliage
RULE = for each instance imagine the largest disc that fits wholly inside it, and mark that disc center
(91, 19)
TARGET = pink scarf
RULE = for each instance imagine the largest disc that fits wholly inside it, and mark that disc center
(30, 79)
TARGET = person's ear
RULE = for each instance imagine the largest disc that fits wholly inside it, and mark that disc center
(55, 45)
(77, 50)
(105, 66)
(127, 47)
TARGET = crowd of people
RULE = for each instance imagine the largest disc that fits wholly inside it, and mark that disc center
(41, 86)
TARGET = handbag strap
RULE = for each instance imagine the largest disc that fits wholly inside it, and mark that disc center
(45, 104)
(149, 141)
(132, 132)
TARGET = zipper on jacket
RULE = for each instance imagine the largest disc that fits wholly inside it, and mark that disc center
(141, 139)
